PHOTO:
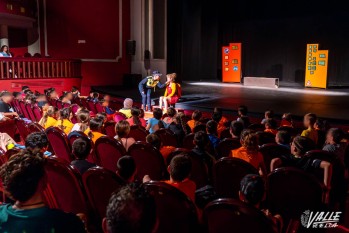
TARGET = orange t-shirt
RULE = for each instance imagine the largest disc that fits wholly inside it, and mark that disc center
(166, 150)
(255, 159)
(222, 125)
(187, 186)
(191, 124)
(273, 131)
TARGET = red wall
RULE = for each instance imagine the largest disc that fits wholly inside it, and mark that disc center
(96, 22)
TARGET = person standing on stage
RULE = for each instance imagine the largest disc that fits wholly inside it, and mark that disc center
(147, 85)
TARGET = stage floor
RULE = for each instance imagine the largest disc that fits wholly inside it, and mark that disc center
(330, 104)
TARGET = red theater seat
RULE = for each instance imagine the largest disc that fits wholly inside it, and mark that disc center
(22, 128)
(109, 129)
(118, 116)
(168, 138)
(138, 133)
(226, 146)
(37, 113)
(59, 143)
(99, 107)
(271, 151)
(23, 109)
(35, 127)
(188, 141)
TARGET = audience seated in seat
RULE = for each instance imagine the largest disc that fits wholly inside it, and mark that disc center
(67, 97)
(211, 128)
(37, 142)
(179, 127)
(95, 129)
(25, 171)
(249, 151)
(195, 120)
(126, 110)
(156, 142)
(236, 128)
(242, 113)
(5, 108)
(270, 126)
(299, 147)
(93, 97)
(122, 129)
(64, 122)
(286, 120)
(269, 114)
(333, 143)
(126, 169)
(252, 192)
(310, 132)
(131, 209)
(222, 121)
(322, 127)
(180, 169)
(105, 104)
(283, 138)
(81, 150)
(155, 123)
(171, 113)
(136, 119)
(83, 116)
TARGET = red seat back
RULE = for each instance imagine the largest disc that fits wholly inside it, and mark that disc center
(271, 151)
(59, 143)
(35, 127)
(37, 113)
(138, 133)
(84, 102)
(99, 107)
(229, 215)
(109, 129)
(99, 184)
(226, 146)
(118, 116)
(227, 174)
(59, 104)
(148, 160)
(92, 107)
(24, 110)
(168, 138)
(175, 212)
(74, 108)
(8, 127)
(64, 190)
(188, 141)
(108, 152)
(265, 138)
(30, 112)
(177, 151)
(199, 171)
(22, 128)
(225, 133)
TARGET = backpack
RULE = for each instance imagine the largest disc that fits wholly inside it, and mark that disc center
(179, 90)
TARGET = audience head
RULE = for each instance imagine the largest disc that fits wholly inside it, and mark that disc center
(37, 142)
(236, 128)
(270, 124)
(74, 89)
(269, 114)
(122, 129)
(141, 113)
(82, 148)
(25, 88)
(197, 115)
(245, 120)
(171, 112)
(322, 125)
(4, 49)
(201, 139)
(96, 124)
(180, 167)
(106, 98)
(334, 136)
(301, 145)
(128, 103)
(154, 140)
(249, 140)
(157, 113)
(217, 116)
(23, 175)
(287, 117)
(83, 117)
(64, 114)
(131, 209)
(6, 96)
(283, 137)
(252, 189)
(242, 110)
(126, 168)
(103, 116)
(52, 112)
(309, 120)
(211, 127)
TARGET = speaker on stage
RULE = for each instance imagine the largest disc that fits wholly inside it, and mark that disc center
(131, 47)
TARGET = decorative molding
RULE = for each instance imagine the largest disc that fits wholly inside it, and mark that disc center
(117, 59)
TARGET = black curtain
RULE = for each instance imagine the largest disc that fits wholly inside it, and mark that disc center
(274, 35)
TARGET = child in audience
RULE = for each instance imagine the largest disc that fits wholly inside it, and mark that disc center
(249, 151)
(171, 113)
(126, 110)
(95, 130)
(103, 116)
(236, 128)
(269, 114)
(270, 126)
(155, 123)
(195, 119)
(105, 104)
(321, 127)
(180, 169)
(93, 97)
(126, 169)
(299, 147)
(252, 192)
(179, 127)
(283, 138)
(83, 117)
(122, 129)
(24, 179)
(75, 92)
(67, 97)
(334, 143)
(211, 128)
(156, 142)
(221, 120)
(81, 150)
(310, 132)
(135, 119)
(49, 118)
(64, 122)
(242, 113)
(37, 142)
(287, 120)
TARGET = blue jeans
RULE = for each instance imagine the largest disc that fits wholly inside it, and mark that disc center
(146, 100)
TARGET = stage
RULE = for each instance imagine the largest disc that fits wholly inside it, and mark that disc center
(329, 104)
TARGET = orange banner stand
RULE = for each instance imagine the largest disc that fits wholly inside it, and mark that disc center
(231, 63)
(316, 67)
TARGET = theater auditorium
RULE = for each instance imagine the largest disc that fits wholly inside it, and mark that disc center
(174, 116)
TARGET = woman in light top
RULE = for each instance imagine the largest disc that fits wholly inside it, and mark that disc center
(4, 52)
(83, 117)
(170, 95)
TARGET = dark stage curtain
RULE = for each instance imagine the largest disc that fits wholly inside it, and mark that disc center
(274, 36)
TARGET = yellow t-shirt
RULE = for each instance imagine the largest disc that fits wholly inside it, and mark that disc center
(67, 125)
(95, 135)
(310, 133)
(126, 112)
(50, 122)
